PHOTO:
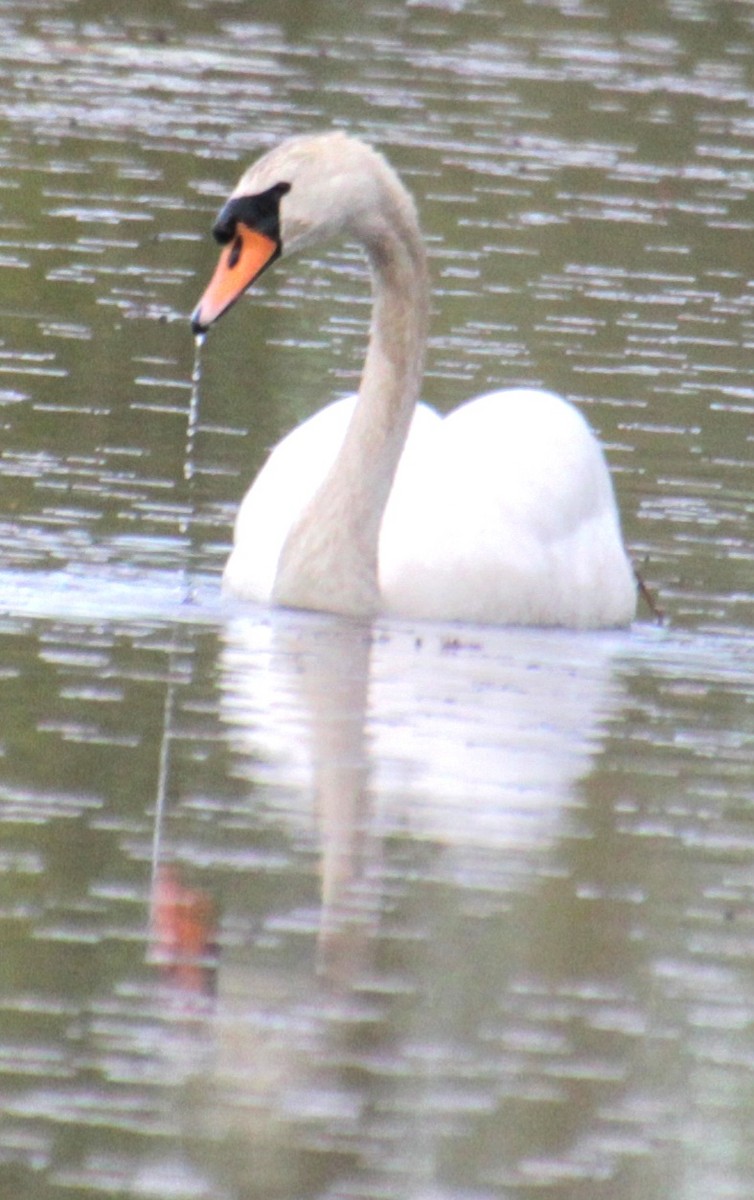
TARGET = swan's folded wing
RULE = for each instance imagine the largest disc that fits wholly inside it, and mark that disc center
(508, 516)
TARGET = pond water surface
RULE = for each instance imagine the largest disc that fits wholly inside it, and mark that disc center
(471, 910)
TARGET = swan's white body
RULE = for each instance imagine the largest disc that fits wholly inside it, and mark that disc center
(501, 512)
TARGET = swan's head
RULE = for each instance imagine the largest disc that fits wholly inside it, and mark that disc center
(307, 190)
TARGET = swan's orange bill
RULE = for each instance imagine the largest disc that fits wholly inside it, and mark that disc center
(242, 260)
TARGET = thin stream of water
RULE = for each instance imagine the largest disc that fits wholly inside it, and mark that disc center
(192, 423)
(175, 660)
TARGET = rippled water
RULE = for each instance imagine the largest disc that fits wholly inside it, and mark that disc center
(475, 906)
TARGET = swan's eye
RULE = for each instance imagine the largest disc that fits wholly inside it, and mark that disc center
(260, 212)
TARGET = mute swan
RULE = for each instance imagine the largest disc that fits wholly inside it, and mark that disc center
(502, 512)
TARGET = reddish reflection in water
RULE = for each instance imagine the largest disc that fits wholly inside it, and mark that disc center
(183, 940)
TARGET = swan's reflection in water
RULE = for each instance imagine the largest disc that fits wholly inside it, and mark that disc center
(431, 775)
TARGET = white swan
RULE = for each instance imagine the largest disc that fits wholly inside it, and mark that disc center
(502, 512)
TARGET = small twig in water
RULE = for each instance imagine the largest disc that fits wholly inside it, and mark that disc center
(646, 595)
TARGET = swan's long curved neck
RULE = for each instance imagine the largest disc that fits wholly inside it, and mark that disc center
(329, 559)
